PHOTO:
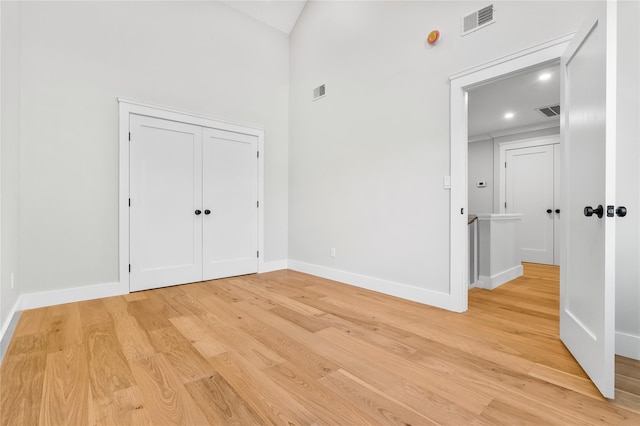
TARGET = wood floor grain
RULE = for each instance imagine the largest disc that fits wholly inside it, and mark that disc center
(292, 349)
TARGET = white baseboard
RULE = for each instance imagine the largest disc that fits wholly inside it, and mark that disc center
(6, 332)
(628, 345)
(497, 280)
(404, 291)
(69, 295)
(274, 265)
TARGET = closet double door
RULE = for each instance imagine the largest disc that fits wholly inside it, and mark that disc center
(194, 203)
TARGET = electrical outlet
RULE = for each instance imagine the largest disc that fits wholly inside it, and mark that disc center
(12, 281)
(333, 252)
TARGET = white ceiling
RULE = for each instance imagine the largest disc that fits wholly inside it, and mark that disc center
(280, 14)
(518, 93)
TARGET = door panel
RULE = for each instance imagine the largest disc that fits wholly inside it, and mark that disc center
(587, 281)
(165, 191)
(529, 191)
(230, 193)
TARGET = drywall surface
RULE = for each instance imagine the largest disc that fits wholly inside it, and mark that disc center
(628, 178)
(9, 160)
(77, 58)
(480, 162)
(367, 161)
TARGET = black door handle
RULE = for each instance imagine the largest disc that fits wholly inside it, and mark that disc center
(207, 211)
(558, 211)
(549, 211)
(589, 211)
(198, 212)
(621, 211)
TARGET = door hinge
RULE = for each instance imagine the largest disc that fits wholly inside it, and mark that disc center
(505, 204)
(129, 202)
(258, 154)
(129, 136)
(257, 254)
(258, 204)
(505, 164)
(129, 268)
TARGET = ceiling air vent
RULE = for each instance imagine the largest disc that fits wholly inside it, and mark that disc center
(319, 92)
(549, 111)
(478, 19)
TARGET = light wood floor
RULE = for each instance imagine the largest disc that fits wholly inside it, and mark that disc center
(289, 348)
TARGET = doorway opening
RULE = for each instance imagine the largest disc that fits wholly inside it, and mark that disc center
(514, 164)
(461, 84)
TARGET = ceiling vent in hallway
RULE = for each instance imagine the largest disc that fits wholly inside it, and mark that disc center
(549, 111)
(478, 19)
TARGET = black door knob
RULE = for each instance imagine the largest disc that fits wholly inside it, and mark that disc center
(590, 211)
(558, 211)
(198, 212)
(549, 211)
(621, 211)
(207, 211)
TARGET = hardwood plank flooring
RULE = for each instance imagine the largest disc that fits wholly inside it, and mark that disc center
(290, 348)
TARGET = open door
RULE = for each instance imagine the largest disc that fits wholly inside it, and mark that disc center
(587, 280)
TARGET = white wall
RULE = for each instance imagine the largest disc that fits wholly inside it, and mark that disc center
(480, 160)
(367, 161)
(77, 57)
(628, 182)
(9, 161)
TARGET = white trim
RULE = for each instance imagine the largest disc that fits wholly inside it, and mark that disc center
(495, 281)
(275, 265)
(195, 118)
(404, 291)
(75, 294)
(628, 345)
(7, 328)
(460, 83)
(551, 44)
(127, 107)
(515, 131)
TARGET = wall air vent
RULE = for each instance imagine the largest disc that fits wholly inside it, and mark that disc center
(478, 19)
(549, 111)
(319, 92)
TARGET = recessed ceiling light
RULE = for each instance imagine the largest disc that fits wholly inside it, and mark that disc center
(509, 115)
(545, 76)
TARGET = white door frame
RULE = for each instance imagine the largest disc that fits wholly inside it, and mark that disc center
(461, 83)
(128, 107)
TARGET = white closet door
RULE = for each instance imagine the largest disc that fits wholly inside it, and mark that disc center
(529, 191)
(230, 196)
(166, 191)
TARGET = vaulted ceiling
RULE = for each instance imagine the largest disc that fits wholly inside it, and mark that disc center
(280, 14)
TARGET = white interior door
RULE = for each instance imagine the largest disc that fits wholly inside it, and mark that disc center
(165, 190)
(230, 197)
(529, 191)
(587, 282)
